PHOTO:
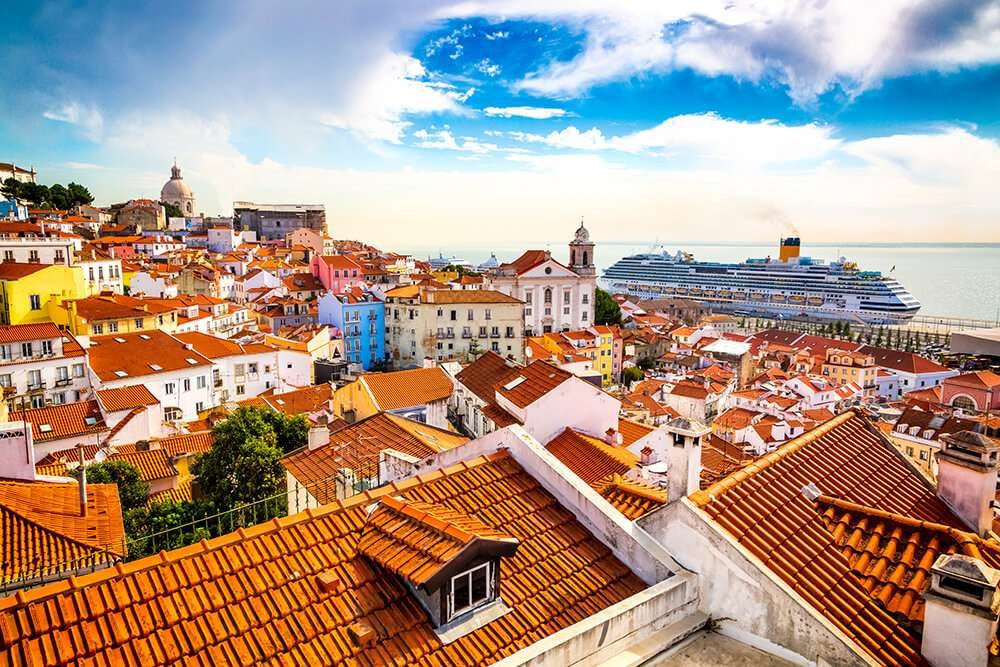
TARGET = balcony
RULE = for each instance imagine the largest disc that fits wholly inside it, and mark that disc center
(494, 334)
(35, 386)
(63, 382)
(466, 334)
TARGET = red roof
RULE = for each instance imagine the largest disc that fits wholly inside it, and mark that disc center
(539, 378)
(126, 398)
(905, 362)
(63, 421)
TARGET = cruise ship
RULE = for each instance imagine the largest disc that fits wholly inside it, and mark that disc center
(792, 286)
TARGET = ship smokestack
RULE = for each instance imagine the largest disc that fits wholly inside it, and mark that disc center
(789, 248)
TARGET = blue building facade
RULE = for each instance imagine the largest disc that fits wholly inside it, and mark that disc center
(10, 209)
(360, 316)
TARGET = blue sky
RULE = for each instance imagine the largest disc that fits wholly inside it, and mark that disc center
(437, 122)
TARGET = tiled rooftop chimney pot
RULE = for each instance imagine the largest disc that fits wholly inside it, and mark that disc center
(967, 477)
(960, 612)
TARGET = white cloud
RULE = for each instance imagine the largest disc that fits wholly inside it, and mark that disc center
(444, 139)
(398, 86)
(497, 34)
(488, 67)
(88, 118)
(806, 45)
(704, 138)
(539, 113)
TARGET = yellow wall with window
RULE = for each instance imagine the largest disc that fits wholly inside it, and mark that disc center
(33, 298)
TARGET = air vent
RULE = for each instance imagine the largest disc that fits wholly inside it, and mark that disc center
(515, 382)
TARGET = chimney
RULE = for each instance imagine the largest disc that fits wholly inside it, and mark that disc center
(967, 477)
(684, 456)
(319, 435)
(83, 482)
(960, 612)
(646, 455)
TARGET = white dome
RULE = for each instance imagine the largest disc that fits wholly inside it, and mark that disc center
(175, 189)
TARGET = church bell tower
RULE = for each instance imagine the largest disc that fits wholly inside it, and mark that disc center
(581, 252)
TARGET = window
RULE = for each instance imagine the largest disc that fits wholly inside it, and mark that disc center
(78, 370)
(34, 379)
(583, 316)
(454, 315)
(548, 295)
(470, 590)
(46, 347)
(200, 382)
(5, 380)
(173, 414)
(252, 368)
(170, 387)
(923, 455)
(471, 314)
(489, 314)
(440, 312)
(8, 255)
(240, 370)
(27, 350)
(32, 255)
(187, 384)
(59, 398)
(112, 327)
(35, 301)
(62, 373)
(199, 406)
(38, 401)
(527, 298)
(5, 352)
(566, 297)
(240, 390)
(138, 323)
(586, 297)
(510, 332)
(91, 274)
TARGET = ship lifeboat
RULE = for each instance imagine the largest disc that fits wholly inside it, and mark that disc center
(695, 291)
(667, 290)
(796, 299)
(778, 297)
(757, 296)
(815, 301)
(725, 294)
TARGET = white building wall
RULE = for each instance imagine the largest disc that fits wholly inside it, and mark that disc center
(40, 250)
(187, 397)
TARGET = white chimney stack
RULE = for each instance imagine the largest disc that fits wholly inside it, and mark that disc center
(960, 612)
(684, 456)
(319, 435)
(967, 477)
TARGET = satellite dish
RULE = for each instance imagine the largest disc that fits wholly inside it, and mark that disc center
(100, 455)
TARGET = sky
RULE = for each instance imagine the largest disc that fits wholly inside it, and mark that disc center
(456, 122)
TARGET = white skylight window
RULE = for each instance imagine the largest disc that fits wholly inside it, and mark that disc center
(45, 428)
(90, 421)
(119, 340)
(515, 382)
(144, 336)
(191, 361)
(121, 374)
(156, 367)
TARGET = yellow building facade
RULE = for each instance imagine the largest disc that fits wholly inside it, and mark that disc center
(31, 292)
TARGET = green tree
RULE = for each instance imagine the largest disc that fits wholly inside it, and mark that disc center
(11, 188)
(606, 309)
(167, 525)
(132, 490)
(172, 211)
(59, 197)
(632, 374)
(244, 463)
(35, 194)
(646, 363)
(291, 432)
(78, 194)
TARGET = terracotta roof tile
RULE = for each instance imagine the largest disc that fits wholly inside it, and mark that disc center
(16, 333)
(459, 296)
(632, 431)
(404, 389)
(126, 398)
(63, 421)
(589, 458)
(540, 377)
(761, 506)
(139, 354)
(417, 539)
(181, 493)
(41, 530)
(188, 443)
(152, 464)
(632, 499)
(356, 447)
(298, 588)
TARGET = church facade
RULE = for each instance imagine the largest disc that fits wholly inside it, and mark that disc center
(556, 296)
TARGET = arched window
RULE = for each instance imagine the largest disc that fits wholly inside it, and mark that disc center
(963, 403)
(188, 206)
(548, 295)
(585, 258)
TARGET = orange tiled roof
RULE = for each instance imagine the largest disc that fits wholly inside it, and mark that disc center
(589, 458)
(632, 431)
(404, 389)
(460, 296)
(540, 377)
(152, 464)
(66, 420)
(260, 594)
(214, 347)
(632, 499)
(527, 261)
(16, 333)
(181, 493)
(188, 443)
(416, 540)
(892, 554)
(357, 447)
(42, 530)
(761, 507)
(140, 353)
(126, 398)
(719, 458)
